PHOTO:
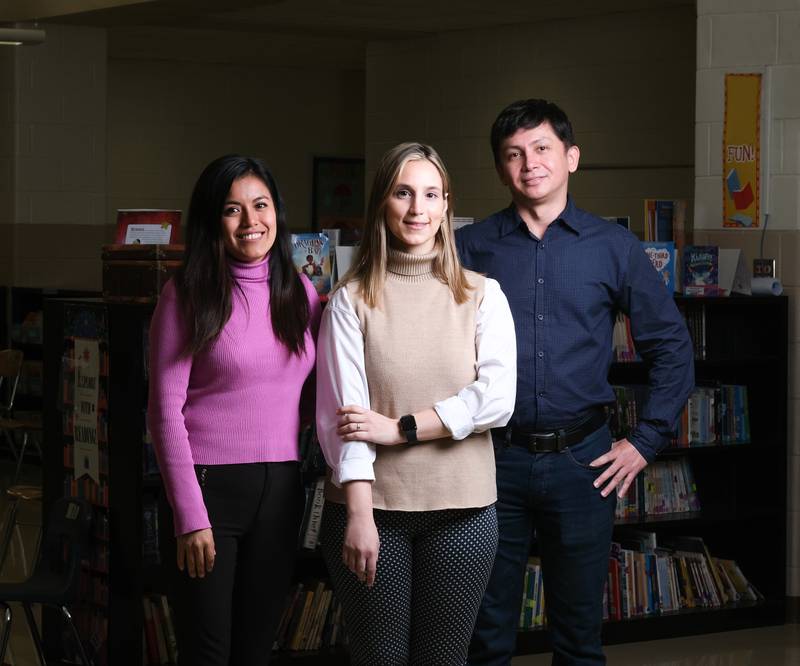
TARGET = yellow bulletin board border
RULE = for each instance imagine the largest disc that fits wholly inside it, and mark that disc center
(742, 125)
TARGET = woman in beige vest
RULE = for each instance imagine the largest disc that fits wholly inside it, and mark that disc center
(416, 361)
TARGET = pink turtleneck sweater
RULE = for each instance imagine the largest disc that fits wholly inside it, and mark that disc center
(235, 402)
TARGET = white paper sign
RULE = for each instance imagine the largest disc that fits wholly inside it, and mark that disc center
(86, 457)
(153, 234)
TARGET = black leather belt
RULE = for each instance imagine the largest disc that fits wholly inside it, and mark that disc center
(556, 440)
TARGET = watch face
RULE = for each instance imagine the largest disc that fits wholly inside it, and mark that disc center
(408, 424)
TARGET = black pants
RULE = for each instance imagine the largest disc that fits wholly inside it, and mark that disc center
(229, 618)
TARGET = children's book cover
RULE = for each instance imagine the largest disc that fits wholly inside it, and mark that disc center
(311, 256)
(662, 256)
(701, 270)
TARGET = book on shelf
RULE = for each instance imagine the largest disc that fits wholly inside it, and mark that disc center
(311, 257)
(532, 613)
(159, 640)
(694, 314)
(151, 638)
(314, 506)
(662, 256)
(665, 220)
(622, 340)
(151, 553)
(701, 270)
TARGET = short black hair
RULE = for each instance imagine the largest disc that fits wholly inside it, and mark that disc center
(527, 114)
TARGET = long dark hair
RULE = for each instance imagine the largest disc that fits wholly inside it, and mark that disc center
(204, 280)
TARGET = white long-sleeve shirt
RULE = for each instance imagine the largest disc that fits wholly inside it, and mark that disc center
(485, 403)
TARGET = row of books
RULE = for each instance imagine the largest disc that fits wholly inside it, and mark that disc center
(311, 620)
(664, 487)
(645, 579)
(86, 488)
(160, 646)
(715, 415)
(695, 318)
(712, 416)
(624, 347)
(93, 586)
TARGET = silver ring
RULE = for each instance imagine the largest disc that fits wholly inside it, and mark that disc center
(358, 426)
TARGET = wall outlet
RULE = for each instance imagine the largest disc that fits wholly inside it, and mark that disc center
(764, 268)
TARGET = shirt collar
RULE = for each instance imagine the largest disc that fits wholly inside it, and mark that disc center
(571, 216)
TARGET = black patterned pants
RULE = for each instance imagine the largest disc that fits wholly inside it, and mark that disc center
(432, 570)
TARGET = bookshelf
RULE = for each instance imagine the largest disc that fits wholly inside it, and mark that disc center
(110, 615)
(741, 486)
(123, 568)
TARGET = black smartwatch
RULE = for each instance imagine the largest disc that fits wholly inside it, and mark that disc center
(408, 426)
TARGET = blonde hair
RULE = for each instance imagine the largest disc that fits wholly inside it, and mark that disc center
(369, 266)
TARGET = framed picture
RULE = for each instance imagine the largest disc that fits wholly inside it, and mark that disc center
(337, 194)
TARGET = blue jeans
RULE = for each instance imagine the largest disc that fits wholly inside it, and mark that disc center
(553, 494)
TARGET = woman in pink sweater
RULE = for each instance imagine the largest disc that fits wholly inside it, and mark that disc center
(231, 347)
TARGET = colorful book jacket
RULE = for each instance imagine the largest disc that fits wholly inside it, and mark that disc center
(662, 255)
(311, 256)
(701, 270)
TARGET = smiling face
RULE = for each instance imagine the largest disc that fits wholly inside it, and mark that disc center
(535, 165)
(415, 207)
(249, 224)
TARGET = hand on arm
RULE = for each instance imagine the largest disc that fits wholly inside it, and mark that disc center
(361, 424)
(196, 552)
(626, 463)
(361, 542)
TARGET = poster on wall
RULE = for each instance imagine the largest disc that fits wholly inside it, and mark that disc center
(741, 151)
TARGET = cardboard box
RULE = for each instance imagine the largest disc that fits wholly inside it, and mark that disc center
(138, 272)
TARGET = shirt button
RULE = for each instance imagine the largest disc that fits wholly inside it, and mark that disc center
(540, 317)
(540, 280)
(541, 394)
(540, 354)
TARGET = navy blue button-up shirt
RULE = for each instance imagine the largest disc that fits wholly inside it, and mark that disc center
(564, 291)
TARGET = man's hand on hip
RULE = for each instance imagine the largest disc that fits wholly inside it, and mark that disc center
(626, 463)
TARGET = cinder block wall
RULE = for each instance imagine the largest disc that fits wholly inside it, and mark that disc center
(626, 81)
(95, 120)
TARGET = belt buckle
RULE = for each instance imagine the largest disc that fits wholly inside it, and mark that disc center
(555, 435)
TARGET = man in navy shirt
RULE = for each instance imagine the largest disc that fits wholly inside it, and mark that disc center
(566, 274)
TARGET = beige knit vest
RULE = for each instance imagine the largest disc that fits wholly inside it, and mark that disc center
(419, 348)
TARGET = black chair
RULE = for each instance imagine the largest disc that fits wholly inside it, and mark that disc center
(56, 577)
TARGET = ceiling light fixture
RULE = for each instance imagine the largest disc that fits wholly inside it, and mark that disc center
(20, 36)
